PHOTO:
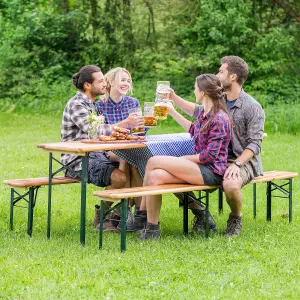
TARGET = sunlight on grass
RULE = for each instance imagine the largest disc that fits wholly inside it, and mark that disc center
(260, 264)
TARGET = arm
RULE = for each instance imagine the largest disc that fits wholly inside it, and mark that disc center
(182, 121)
(186, 106)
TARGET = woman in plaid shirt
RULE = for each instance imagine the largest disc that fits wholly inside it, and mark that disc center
(211, 135)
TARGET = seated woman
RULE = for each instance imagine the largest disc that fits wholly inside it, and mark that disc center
(211, 136)
(115, 108)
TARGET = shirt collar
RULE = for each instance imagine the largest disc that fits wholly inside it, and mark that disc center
(239, 101)
(113, 103)
(207, 116)
(84, 97)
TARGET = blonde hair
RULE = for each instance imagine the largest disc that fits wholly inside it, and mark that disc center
(115, 75)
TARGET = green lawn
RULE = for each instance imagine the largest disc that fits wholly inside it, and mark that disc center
(263, 263)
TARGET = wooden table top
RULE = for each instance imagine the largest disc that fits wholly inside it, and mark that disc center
(79, 148)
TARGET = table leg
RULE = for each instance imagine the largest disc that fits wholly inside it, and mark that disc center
(83, 198)
(49, 195)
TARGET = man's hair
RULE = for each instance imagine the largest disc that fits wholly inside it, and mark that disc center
(84, 75)
(238, 66)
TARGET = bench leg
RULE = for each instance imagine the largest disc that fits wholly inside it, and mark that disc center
(206, 214)
(290, 199)
(269, 200)
(254, 200)
(123, 224)
(11, 210)
(220, 198)
(30, 210)
(101, 223)
(185, 214)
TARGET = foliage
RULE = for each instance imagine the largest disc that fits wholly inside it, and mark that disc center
(43, 43)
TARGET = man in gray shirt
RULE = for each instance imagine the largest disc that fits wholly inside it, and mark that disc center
(248, 118)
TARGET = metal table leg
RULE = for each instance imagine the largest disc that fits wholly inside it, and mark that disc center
(83, 198)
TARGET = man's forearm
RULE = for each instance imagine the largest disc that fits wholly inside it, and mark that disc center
(246, 155)
(186, 106)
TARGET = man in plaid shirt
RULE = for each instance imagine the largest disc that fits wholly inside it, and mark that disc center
(102, 172)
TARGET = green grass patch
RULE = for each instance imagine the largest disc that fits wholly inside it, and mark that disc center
(260, 264)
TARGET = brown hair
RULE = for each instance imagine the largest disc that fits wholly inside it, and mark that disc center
(211, 85)
(238, 66)
(84, 75)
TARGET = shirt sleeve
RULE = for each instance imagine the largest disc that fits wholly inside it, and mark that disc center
(217, 133)
(79, 115)
(255, 119)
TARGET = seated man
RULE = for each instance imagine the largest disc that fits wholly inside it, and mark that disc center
(102, 171)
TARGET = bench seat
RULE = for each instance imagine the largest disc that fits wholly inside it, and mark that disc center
(31, 185)
(121, 196)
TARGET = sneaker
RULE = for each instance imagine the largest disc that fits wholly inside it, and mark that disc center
(199, 220)
(110, 223)
(234, 226)
(137, 221)
(150, 232)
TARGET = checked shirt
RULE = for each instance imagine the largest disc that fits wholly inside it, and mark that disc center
(211, 136)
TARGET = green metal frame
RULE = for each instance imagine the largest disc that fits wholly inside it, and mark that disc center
(30, 197)
(123, 206)
(271, 187)
(83, 192)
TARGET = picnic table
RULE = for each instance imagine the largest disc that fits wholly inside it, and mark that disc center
(80, 149)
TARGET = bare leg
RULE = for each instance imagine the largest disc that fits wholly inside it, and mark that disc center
(160, 171)
(135, 181)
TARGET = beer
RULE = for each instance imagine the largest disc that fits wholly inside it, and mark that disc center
(160, 112)
(150, 121)
(137, 130)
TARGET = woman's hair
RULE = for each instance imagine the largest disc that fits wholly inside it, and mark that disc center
(84, 75)
(115, 75)
(211, 85)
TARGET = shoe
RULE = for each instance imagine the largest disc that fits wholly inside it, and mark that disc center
(199, 220)
(137, 221)
(234, 226)
(151, 231)
(110, 223)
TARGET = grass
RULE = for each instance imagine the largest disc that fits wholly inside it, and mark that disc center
(260, 264)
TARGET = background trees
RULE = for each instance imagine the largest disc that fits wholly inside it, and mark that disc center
(44, 42)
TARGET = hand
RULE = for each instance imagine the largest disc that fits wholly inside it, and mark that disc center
(135, 120)
(171, 94)
(232, 172)
(169, 106)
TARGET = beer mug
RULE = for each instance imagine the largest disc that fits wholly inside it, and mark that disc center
(138, 112)
(162, 90)
(149, 119)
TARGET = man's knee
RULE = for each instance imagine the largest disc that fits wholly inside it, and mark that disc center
(117, 179)
(232, 185)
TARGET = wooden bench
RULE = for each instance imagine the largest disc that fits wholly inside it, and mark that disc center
(121, 197)
(31, 185)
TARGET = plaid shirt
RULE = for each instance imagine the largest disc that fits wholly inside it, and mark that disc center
(247, 130)
(75, 124)
(211, 142)
(116, 112)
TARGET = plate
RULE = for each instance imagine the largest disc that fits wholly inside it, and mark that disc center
(87, 141)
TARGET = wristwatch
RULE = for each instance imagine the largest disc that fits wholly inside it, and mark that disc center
(237, 163)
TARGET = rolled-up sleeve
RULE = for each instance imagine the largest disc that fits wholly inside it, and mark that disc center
(217, 134)
(255, 119)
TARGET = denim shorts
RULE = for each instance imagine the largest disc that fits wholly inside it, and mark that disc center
(210, 177)
(100, 169)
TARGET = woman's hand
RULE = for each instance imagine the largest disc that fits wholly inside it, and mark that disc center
(135, 120)
(172, 94)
